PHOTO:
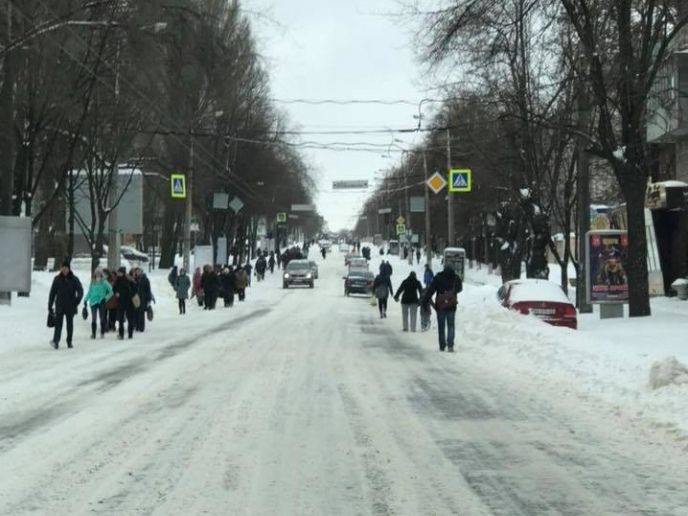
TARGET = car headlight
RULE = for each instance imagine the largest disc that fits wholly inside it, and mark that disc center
(286, 275)
(309, 275)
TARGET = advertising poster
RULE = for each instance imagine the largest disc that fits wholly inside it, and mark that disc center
(606, 256)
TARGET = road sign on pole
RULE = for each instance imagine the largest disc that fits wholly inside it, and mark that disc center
(281, 217)
(401, 220)
(401, 229)
(178, 186)
(236, 204)
(460, 180)
(436, 183)
(302, 207)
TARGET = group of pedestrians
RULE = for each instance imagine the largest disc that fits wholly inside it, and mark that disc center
(111, 299)
(439, 292)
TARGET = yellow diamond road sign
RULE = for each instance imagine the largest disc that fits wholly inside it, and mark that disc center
(401, 220)
(436, 183)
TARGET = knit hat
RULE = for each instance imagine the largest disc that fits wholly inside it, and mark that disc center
(66, 263)
(123, 270)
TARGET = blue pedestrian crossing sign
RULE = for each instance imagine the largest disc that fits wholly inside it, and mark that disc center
(178, 186)
(460, 180)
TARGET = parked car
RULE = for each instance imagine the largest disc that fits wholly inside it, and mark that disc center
(541, 298)
(358, 281)
(298, 273)
(314, 269)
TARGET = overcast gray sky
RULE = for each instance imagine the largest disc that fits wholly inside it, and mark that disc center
(343, 50)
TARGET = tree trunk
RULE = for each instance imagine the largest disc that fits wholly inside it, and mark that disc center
(636, 263)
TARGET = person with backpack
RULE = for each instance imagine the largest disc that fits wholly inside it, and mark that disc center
(143, 287)
(182, 290)
(99, 292)
(445, 286)
(382, 288)
(65, 295)
(409, 290)
(261, 267)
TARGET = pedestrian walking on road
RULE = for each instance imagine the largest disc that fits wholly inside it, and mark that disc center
(446, 287)
(425, 314)
(382, 287)
(182, 290)
(99, 293)
(249, 269)
(143, 287)
(261, 267)
(228, 286)
(418, 255)
(410, 291)
(211, 286)
(65, 295)
(387, 269)
(127, 300)
(172, 276)
(427, 276)
(197, 288)
(241, 282)
(111, 304)
(271, 262)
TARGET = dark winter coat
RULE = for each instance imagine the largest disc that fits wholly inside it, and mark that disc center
(228, 283)
(261, 266)
(144, 290)
(210, 283)
(124, 289)
(241, 279)
(182, 286)
(66, 293)
(443, 282)
(382, 287)
(386, 268)
(410, 290)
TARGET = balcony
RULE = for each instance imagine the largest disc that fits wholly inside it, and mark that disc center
(667, 107)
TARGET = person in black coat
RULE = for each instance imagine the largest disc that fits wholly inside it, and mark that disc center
(382, 288)
(410, 291)
(124, 290)
(211, 286)
(445, 286)
(66, 293)
(228, 286)
(143, 287)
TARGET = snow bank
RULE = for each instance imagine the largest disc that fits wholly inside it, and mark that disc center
(668, 372)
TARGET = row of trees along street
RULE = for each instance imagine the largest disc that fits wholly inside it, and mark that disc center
(159, 85)
(539, 95)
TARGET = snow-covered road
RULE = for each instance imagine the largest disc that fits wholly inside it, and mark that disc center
(304, 402)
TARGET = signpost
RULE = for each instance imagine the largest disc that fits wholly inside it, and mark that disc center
(178, 186)
(236, 204)
(349, 185)
(607, 285)
(417, 204)
(460, 180)
(401, 229)
(401, 220)
(384, 211)
(436, 183)
(281, 217)
(302, 207)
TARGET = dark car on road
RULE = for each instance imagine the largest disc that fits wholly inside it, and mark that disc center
(299, 272)
(358, 281)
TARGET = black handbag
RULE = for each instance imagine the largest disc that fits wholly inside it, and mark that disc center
(149, 313)
(51, 320)
(84, 313)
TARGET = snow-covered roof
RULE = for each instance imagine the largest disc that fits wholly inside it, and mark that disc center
(672, 183)
(454, 249)
(536, 290)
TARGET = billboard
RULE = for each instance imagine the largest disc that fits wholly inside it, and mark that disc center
(606, 256)
(129, 209)
(15, 257)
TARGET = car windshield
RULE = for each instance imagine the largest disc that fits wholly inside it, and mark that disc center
(344, 257)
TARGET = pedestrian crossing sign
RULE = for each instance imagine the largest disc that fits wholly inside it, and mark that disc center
(401, 229)
(460, 180)
(178, 186)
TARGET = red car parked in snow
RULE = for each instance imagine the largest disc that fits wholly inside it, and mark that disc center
(541, 298)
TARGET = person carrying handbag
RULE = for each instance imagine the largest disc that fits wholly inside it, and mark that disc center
(445, 286)
(99, 292)
(63, 303)
(125, 292)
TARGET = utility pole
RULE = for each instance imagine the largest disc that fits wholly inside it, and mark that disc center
(113, 256)
(187, 218)
(450, 197)
(428, 242)
(583, 187)
(7, 117)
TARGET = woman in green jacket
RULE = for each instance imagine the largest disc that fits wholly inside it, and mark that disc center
(99, 291)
